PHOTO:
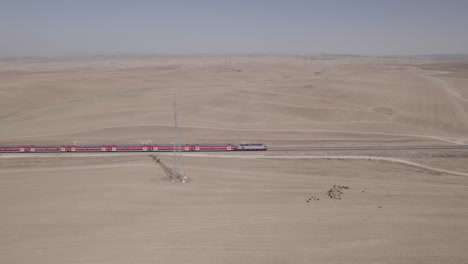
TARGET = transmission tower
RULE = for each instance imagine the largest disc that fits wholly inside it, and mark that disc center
(178, 162)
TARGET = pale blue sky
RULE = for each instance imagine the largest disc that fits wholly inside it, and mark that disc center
(369, 27)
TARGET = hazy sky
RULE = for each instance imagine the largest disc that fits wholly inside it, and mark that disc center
(90, 27)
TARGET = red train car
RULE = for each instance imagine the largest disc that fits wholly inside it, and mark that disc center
(13, 148)
(215, 147)
(162, 148)
(128, 148)
(43, 149)
(67, 148)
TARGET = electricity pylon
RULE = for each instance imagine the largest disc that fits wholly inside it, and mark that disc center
(178, 161)
(177, 172)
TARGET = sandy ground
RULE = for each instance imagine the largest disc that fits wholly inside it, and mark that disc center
(122, 209)
(401, 206)
(274, 100)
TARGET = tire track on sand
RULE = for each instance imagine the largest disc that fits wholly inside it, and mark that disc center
(453, 95)
(394, 160)
(372, 158)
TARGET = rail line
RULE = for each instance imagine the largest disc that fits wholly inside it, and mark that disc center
(217, 148)
(364, 148)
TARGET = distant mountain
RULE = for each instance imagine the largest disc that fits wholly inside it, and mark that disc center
(341, 55)
(445, 56)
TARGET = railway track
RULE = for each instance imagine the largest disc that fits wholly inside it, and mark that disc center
(364, 148)
(284, 149)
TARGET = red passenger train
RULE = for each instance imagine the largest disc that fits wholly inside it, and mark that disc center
(131, 148)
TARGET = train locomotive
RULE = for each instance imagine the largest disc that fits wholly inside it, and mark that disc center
(132, 148)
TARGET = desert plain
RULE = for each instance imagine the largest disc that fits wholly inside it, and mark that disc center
(400, 206)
